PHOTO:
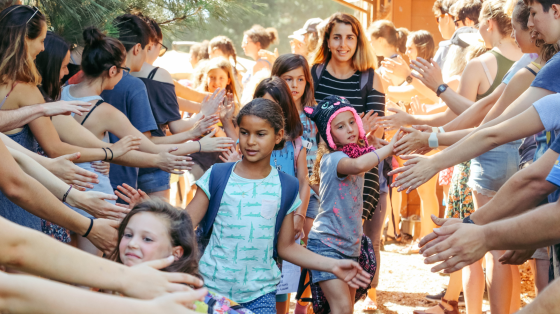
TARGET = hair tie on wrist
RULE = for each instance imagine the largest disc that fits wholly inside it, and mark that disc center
(89, 229)
(105, 154)
(302, 216)
(199, 146)
(112, 155)
(66, 194)
(378, 159)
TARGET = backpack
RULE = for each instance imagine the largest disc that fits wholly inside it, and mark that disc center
(219, 178)
(366, 79)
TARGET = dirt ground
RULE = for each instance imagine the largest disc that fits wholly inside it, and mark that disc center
(405, 280)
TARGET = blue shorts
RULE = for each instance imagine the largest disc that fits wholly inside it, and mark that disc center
(313, 207)
(492, 169)
(153, 181)
(318, 247)
(265, 304)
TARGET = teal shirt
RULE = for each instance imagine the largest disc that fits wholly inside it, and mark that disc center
(238, 262)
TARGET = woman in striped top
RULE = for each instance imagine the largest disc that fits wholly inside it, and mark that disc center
(344, 66)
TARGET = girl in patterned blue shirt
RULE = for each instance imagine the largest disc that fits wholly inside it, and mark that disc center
(238, 262)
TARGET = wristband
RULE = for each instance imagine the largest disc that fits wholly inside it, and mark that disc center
(441, 130)
(105, 154)
(112, 155)
(378, 159)
(89, 229)
(468, 220)
(199, 146)
(66, 194)
(433, 141)
(435, 130)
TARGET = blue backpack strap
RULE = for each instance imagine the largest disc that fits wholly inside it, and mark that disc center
(290, 189)
(217, 184)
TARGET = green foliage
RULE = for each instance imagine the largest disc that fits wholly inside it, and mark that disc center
(284, 15)
(69, 17)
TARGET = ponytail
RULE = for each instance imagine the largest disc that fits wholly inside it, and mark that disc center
(402, 36)
(100, 53)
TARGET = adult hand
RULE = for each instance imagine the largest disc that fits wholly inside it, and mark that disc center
(123, 146)
(376, 142)
(516, 257)
(369, 121)
(417, 107)
(64, 168)
(130, 195)
(413, 141)
(429, 73)
(461, 245)
(231, 155)
(64, 107)
(396, 120)
(103, 234)
(215, 144)
(396, 68)
(95, 203)
(211, 103)
(298, 226)
(415, 172)
(101, 167)
(227, 110)
(432, 238)
(204, 125)
(269, 55)
(147, 282)
(177, 302)
(172, 163)
(351, 273)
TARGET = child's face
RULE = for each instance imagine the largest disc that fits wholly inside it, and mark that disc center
(296, 81)
(217, 78)
(257, 138)
(411, 51)
(344, 129)
(146, 238)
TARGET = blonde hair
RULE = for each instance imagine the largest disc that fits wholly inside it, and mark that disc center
(224, 65)
(363, 59)
(496, 10)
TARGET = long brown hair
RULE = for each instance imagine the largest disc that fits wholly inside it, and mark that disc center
(363, 59)
(288, 62)
(279, 90)
(395, 37)
(424, 43)
(18, 23)
(263, 36)
(181, 233)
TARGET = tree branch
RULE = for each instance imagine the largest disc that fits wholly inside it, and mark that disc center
(181, 17)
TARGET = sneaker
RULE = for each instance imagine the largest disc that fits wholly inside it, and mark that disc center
(436, 297)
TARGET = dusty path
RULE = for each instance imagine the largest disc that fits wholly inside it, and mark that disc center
(405, 280)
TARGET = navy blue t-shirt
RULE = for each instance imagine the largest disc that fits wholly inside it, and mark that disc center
(131, 98)
(547, 76)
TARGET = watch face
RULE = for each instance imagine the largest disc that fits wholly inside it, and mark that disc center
(441, 88)
(409, 79)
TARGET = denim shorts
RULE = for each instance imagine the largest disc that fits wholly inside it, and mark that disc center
(313, 207)
(265, 304)
(492, 169)
(318, 247)
(153, 181)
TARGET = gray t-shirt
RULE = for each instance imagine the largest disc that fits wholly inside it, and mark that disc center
(339, 223)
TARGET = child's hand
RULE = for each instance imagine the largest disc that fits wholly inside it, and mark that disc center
(204, 125)
(299, 221)
(230, 155)
(130, 195)
(211, 103)
(178, 302)
(351, 273)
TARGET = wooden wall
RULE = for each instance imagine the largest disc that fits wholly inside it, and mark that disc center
(416, 15)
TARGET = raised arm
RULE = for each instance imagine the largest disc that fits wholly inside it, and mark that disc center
(188, 93)
(354, 166)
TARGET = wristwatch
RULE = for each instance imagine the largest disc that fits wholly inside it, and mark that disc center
(433, 140)
(409, 79)
(442, 88)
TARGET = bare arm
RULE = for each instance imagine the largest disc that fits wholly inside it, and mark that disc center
(546, 302)
(188, 106)
(188, 93)
(354, 166)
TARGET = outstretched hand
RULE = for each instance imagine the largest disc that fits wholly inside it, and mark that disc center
(415, 172)
(211, 103)
(412, 141)
(351, 273)
(396, 120)
(428, 72)
(130, 195)
(455, 244)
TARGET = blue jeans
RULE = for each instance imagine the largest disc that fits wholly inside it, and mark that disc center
(265, 304)
(318, 247)
(153, 181)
